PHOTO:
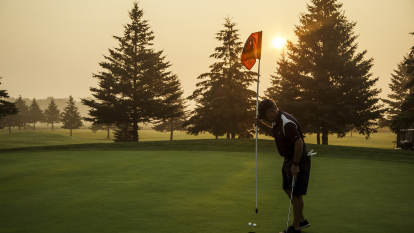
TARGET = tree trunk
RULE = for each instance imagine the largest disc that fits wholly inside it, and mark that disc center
(34, 126)
(19, 126)
(216, 137)
(351, 133)
(324, 136)
(233, 135)
(107, 136)
(71, 132)
(52, 126)
(318, 138)
(9, 129)
(135, 131)
(228, 135)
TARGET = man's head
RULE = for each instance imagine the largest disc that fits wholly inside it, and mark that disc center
(267, 110)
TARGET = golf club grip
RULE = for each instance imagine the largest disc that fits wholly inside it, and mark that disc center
(257, 210)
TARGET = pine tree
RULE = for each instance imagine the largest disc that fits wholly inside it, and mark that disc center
(399, 80)
(137, 86)
(322, 81)
(23, 116)
(70, 116)
(35, 113)
(225, 105)
(52, 113)
(405, 118)
(6, 108)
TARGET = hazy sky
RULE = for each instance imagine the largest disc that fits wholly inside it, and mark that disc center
(52, 47)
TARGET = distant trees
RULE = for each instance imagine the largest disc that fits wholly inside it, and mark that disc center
(321, 79)
(107, 127)
(35, 113)
(70, 116)
(52, 113)
(23, 116)
(6, 109)
(225, 105)
(136, 86)
(171, 124)
(405, 117)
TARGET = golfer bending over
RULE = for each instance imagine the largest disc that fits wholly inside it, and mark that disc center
(289, 142)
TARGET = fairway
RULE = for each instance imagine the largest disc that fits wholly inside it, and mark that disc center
(187, 187)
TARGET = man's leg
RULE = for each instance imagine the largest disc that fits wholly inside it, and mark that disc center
(298, 205)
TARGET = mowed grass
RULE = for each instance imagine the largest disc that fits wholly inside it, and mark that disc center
(51, 182)
(45, 136)
(198, 186)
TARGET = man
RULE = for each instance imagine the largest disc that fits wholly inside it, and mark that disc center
(290, 144)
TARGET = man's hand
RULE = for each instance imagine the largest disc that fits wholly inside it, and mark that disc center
(295, 171)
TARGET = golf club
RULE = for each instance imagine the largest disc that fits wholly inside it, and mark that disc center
(290, 204)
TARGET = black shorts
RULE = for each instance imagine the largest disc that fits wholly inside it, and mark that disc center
(301, 184)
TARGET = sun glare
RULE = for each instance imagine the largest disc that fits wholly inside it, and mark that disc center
(278, 42)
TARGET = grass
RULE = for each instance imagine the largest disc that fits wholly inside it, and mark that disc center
(28, 138)
(51, 182)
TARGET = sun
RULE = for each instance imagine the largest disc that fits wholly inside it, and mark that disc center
(278, 42)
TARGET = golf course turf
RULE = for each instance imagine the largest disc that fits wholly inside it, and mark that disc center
(198, 186)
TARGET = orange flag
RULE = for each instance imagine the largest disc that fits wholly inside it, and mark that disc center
(252, 50)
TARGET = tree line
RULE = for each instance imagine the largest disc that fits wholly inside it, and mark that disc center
(24, 114)
(321, 79)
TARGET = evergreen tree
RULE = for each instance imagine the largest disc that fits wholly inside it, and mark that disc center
(6, 107)
(23, 116)
(399, 80)
(124, 133)
(225, 105)
(137, 87)
(52, 113)
(322, 81)
(405, 118)
(70, 116)
(35, 113)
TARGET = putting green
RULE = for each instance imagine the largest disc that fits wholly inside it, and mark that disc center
(194, 191)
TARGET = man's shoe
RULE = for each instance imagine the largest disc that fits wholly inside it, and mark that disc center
(291, 229)
(304, 225)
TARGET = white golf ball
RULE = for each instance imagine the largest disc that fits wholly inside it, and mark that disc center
(250, 223)
(254, 224)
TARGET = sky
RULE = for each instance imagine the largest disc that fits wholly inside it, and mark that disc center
(52, 47)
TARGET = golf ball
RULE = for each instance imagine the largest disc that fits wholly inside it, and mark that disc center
(254, 224)
(250, 223)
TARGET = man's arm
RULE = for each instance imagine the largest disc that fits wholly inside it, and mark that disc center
(265, 127)
(296, 159)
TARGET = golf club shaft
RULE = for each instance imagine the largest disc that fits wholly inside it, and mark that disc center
(290, 204)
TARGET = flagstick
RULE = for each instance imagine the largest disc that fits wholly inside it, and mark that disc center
(257, 112)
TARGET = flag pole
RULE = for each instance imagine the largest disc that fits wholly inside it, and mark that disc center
(257, 112)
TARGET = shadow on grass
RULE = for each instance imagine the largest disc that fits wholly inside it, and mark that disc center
(230, 145)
